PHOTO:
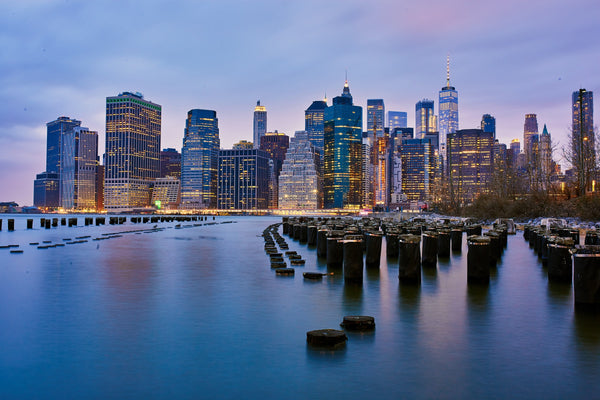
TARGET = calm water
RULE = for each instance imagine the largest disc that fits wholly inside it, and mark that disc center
(198, 313)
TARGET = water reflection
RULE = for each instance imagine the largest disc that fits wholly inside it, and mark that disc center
(353, 295)
(559, 292)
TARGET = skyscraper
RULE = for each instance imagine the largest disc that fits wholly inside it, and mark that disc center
(300, 179)
(170, 163)
(343, 139)
(530, 130)
(448, 107)
(375, 118)
(314, 124)
(79, 164)
(583, 139)
(397, 119)
(417, 156)
(488, 124)
(243, 179)
(276, 145)
(49, 181)
(132, 160)
(546, 162)
(425, 119)
(470, 164)
(200, 160)
(55, 132)
(260, 123)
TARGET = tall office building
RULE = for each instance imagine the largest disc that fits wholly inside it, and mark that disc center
(79, 165)
(583, 139)
(470, 164)
(425, 119)
(397, 119)
(488, 124)
(343, 155)
(46, 190)
(381, 171)
(200, 160)
(418, 168)
(49, 181)
(375, 118)
(243, 179)
(276, 145)
(170, 163)
(513, 154)
(300, 178)
(530, 138)
(314, 124)
(260, 123)
(546, 162)
(448, 107)
(132, 159)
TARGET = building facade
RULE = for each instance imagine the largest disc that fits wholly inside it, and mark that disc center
(470, 164)
(342, 153)
(166, 193)
(132, 159)
(275, 144)
(243, 179)
(530, 138)
(260, 123)
(314, 124)
(418, 168)
(488, 124)
(170, 163)
(397, 119)
(300, 179)
(79, 165)
(583, 139)
(200, 160)
(50, 179)
(425, 119)
(375, 118)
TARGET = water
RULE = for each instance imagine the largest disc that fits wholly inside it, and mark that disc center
(198, 313)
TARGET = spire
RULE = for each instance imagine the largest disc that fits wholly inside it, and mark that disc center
(346, 91)
(545, 131)
(448, 70)
(325, 98)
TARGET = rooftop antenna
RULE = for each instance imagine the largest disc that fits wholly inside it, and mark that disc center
(448, 70)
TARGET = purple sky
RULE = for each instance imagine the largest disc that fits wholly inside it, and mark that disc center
(508, 58)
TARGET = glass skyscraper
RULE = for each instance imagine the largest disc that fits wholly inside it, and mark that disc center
(79, 164)
(260, 123)
(488, 124)
(530, 138)
(448, 108)
(314, 124)
(49, 181)
(397, 119)
(425, 119)
(243, 179)
(375, 118)
(583, 139)
(343, 153)
(132, 159)
(200, 160)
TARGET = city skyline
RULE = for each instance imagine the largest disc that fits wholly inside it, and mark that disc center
(60, 68)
